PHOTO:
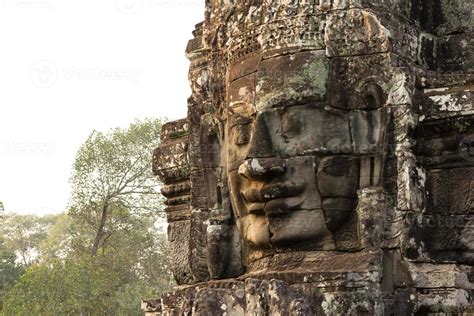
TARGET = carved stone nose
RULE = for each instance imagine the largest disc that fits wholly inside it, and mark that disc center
(260, 141)
(261, 162)
(262, 168)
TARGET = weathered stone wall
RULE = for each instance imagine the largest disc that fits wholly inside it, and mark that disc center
(326, 166)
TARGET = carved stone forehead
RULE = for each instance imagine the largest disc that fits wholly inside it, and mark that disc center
(236, 29)
(244, 27)
(303, 45)
(255, 12)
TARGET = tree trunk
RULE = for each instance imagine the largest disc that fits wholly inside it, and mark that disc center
(100, 231)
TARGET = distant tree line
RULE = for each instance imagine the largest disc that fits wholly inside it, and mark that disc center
(108, 251)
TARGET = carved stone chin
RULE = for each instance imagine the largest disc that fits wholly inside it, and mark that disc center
(326, 164)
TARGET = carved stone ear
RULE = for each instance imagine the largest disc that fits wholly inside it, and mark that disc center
(373, 96)
(369, 96)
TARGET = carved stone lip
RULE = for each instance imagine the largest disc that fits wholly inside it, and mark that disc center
(278, 190)
(255, 208)
(272, 191)
(283, 206)
(274, 198)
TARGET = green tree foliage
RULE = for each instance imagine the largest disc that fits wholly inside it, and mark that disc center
(10, 271)
(57, 245)
(72, 287)
(24, 234)
(103, 285)
(108, 252)
(112, 181)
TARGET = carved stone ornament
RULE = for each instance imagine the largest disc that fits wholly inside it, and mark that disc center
(326, 166)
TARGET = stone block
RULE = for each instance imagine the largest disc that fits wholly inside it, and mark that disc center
(439, 239)
(431, 276)
(360, 82)
(295, 78)
(450, 191)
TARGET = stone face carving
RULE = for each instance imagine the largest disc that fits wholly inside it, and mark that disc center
(326, 165)
(293, 161)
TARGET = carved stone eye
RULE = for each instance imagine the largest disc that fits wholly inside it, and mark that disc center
(241, 116)
(242, 134)
(291, 124)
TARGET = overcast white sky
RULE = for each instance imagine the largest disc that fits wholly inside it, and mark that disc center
(70, 66)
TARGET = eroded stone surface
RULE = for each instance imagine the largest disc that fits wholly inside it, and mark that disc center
(326, 166)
